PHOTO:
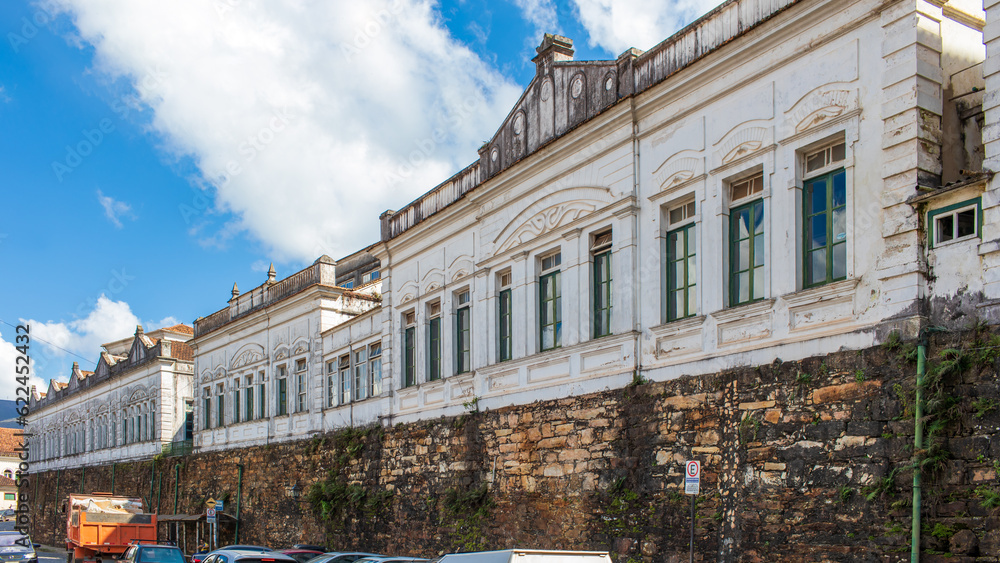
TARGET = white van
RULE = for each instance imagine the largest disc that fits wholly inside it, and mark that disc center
(528, 556)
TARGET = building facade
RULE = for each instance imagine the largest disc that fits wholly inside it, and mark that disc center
(777, 180)
(134, 405)
(260, 363)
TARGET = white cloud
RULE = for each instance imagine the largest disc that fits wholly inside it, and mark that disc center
(308, 118)
(8, 365)
(541, 14)
(114, 210)
(617, 26)
(54, 346)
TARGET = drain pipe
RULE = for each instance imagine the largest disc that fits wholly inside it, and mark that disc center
(239, 497)
(918, 445)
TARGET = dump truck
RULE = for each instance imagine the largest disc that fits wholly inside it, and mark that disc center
(100, 526)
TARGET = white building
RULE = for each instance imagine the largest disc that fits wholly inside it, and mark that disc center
(133, 406)
(764, 184)
(259, 362)
(761, 185)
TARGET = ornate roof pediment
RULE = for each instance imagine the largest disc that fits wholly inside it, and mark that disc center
(563, 94)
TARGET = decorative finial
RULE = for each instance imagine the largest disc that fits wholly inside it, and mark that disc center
(236, 291)
(76, 366)
(138, 329)
(270, 273)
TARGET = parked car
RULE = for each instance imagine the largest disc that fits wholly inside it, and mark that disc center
(200, 556)
(318, 548)
(342, 557)
(391, 559)
(301, 555)
(156, 553)
(528, 556)
(8, 515)
(247, 556)
(15, 546)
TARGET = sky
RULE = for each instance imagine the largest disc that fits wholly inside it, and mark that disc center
(154, 153)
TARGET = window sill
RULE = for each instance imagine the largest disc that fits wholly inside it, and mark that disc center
(952, 242)
(743, 311)
(680, 325)
(819, 293)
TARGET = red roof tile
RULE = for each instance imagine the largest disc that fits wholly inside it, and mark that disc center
(180, 328)
(9, 442)
(7, 482)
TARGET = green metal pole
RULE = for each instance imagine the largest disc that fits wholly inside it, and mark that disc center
(239, 497)
(152, 479)
(177, 478)
(56, 511)
(918, 445)
(83, 477)
(113, 466)
(159, 491)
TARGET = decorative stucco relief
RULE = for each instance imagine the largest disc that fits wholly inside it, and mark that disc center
(251, 354)
(740, 142)
(301, 347)
(546, 221)
(820, 105)
(678, 169)
(408, 292)
(433, 280)
(460, 267)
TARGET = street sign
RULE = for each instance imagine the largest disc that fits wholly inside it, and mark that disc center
(210, 503)
(218, 505)
(210, 515)
(692, 477)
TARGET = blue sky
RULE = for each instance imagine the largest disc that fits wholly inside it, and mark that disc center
(151, 154)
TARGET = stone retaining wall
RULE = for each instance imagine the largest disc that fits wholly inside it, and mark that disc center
(790, 454)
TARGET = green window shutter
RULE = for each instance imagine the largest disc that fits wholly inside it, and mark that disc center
(602, 294)
(550, 316)
(282, 396)
(409, 354)
(463, 350)
(434, 349)
(746, 253)
(505, 328)
(825, 229)
(682, 287)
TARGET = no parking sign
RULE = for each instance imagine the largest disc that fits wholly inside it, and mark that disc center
(692, 477)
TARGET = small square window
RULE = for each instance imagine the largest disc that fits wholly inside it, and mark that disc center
(505, 279)
(551, 261)
(682, 213)
(300, 365)
(602, 241)
(955, 223)
(825, 157)
(747, 187)
(409, 318)
(463, 298)
(434, 309)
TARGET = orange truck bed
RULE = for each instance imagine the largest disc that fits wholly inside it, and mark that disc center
(105, 529)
